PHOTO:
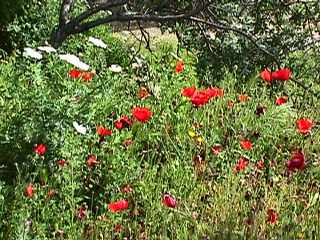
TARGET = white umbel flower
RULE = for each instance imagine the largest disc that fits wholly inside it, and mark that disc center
(47, 49)
(115, 68)
(29, 52)
(97, 42)
(79, 128)
(74, 60)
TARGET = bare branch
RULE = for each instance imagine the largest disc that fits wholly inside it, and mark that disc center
(64, 11)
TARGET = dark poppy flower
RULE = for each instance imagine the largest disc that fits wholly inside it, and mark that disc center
(260, 110)
(143, 93)
(188, 92)
(266, 75)
(118, 228)
(126, 143)
(200, 98)
(126, 189)
(102, 131)
(282, 74)
(260, 164)
(40, 149)
(304, 125)
(92, 161)
(281, 100)
(29, 190)
(62, 162)
(87, 76)
(272, 216)
(215, 92)
(75, 73)
(142, 114)
(179, 66)
(241, 165)
(297, 161)
(243, 98)
(81, 213)
(118, 206)
(246, 144)
(169, 201)
(51, 193)
(216, 149)
(230, 104)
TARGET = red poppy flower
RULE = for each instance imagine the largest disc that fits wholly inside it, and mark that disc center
(246, 144)
(143, 93)
(118, 206)
(215, 92)
(272, 217)
(62, 162)
(74, 73)
(87, 76)
(241, 164)
(92, 160)
(188, 92)
(179, 66)
(282, 74)
(142, 114)
(118, 124)
(40, 149)
(281, 100)
(243, 98)
(304, 125)
(29, 190)
(102, 131)
(169, 201)
(200, 98)
(266, 75)
(216, 149)
(81, 213)
(297, 161)
(124, 121)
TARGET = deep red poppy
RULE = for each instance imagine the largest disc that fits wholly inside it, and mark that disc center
(200, 98)
(215, 92)
(188, 91)
(216, 149)
(87, 76)
(92, 160)
(142, 114)
(241, 165)
(246, 144)
(179, 66)
(304, 125)
(75, 73)
(51, 193)
(40, 149)
(102, 131)
(118, 206)
(169, 201)
(266, 75)
(281, 100)
(62, 162)
(29, 190)
(297, 161)
(272, 216)
(81, 213)
(282, 74)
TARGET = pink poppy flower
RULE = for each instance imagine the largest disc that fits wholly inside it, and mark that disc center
(169, 201)
(246, 144)
(304, 125)
(241, 165)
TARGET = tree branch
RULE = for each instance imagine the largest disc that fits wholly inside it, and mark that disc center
(64, 11)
